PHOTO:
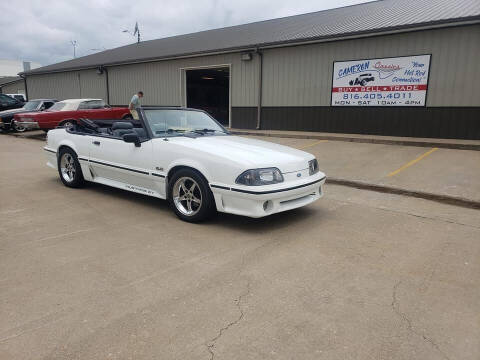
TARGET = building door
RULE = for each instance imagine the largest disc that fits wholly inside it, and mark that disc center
(209, 89)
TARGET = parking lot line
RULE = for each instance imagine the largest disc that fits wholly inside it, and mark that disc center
(393, 173)
(312, 144)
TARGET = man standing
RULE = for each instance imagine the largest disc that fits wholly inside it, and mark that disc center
(134, 104)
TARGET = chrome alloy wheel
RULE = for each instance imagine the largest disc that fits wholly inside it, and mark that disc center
(18, 127)
(67, 167)
(187, 196)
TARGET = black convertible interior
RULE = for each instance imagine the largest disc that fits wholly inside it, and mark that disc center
(116, 129)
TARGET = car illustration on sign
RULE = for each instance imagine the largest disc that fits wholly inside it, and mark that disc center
(185, 156)
(362, 80)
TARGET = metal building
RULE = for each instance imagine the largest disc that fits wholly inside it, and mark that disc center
(12, 85)
(389, 67)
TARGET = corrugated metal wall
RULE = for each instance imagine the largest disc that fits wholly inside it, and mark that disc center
(14, 88)
(302, 75)
(67, 85)
(293, 76)
(162, 82)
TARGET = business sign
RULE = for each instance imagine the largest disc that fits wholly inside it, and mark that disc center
(397, 81)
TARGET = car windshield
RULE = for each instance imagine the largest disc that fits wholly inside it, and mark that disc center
(57, 106)
(173, 122)
(31, 105)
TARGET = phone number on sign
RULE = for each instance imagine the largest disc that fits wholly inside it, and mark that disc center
(373, 96)
(392, 98)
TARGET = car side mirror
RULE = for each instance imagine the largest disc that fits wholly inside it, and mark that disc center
(42, 108)
(132, 138)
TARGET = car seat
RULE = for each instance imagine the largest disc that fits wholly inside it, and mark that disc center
(120, 128)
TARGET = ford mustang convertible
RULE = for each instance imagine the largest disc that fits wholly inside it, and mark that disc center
(185, 156)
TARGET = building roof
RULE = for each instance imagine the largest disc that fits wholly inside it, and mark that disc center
(363, 19)
(5, 80)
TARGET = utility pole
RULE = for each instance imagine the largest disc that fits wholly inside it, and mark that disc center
(74, 44)
(137, 32)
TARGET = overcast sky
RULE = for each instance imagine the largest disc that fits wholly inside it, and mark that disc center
(41, 31)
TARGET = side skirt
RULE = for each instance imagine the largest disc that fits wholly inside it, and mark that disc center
(128, 187)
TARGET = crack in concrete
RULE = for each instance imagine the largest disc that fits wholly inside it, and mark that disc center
(434, 218)
(211, 344)
(428, 279)
(396, 308)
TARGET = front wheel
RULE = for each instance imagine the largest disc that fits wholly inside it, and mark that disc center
(69, 168)
(17, 127)
(190, 196)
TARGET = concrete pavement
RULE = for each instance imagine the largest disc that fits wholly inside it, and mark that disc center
(444, 172)
(100, 273)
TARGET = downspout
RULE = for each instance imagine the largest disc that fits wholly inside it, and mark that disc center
(260, 85)
(25, 84)
(79, 85)
(106, 84)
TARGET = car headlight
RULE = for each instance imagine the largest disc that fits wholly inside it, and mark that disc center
(257, 177)
(313, 166)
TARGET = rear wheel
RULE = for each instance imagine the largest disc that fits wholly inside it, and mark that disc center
(190, 196)
(67, 123)
(69, 168)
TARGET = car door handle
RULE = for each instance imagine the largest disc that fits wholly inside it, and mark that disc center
(96, 143)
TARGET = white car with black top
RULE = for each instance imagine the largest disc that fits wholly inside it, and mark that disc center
(185, 156)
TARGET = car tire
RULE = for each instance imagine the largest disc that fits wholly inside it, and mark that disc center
(17, 128)
(69, 168)
(190, 196)
(67, 123)
(363, 82)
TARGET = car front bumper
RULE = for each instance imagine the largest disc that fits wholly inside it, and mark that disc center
(29, 125)
(259, 203)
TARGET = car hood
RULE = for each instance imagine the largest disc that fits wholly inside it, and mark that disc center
(248, 153)
(34, 114)
(30, 113)
(11, 112)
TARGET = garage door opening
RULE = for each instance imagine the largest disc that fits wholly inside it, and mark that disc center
(209, 90)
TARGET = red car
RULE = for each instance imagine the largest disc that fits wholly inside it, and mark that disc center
(66, 112)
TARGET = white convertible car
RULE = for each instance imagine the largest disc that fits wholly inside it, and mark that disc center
(185, 156)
